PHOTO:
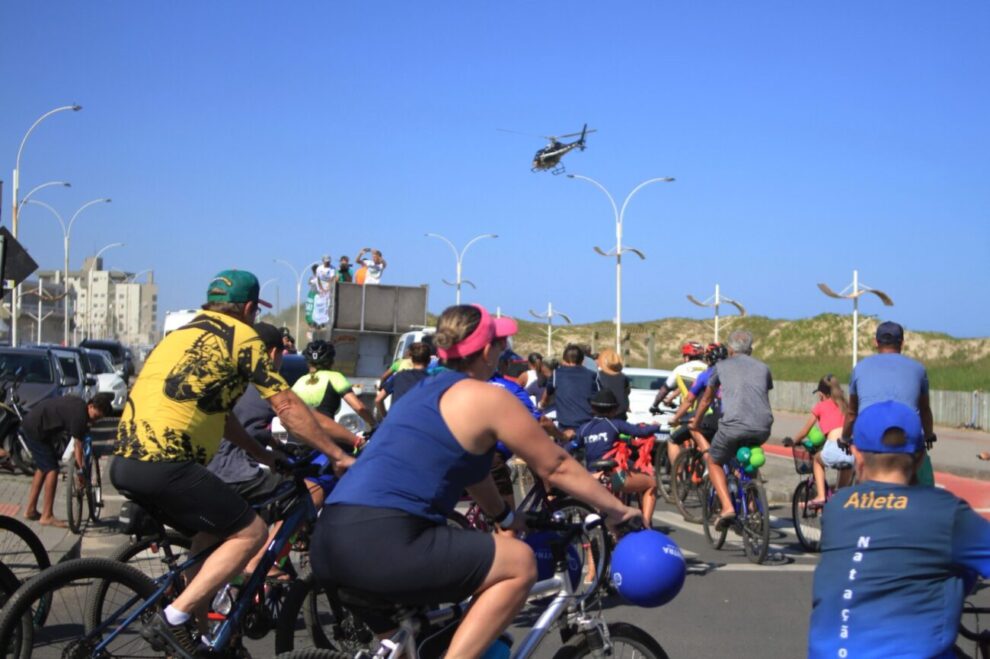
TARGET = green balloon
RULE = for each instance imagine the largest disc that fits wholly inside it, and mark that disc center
(743, 454)
(757, 457)
(816, 436)
(750, 469)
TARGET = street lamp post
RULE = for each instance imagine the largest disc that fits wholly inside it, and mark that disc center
(715, 301)
(619, 248)
(853, 292)
(16, 180)
(66, 234)
(26, 198)
(299, 277)
(261, 290)
(90, 319)
(550, 313)
(459, 256)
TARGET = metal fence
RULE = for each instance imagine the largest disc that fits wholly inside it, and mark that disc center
(950, 408)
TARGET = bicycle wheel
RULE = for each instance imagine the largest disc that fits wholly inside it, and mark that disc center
(8, 586)
(20, 455)
(94, 492)
(74, 496)
(689, 475)
(148, 554)
(323, 625)
(713, 508)
(663, 472)
(627, 641)
(25, 556)
(807, 520)
(594, 547)
(755, 522)
(74, 627)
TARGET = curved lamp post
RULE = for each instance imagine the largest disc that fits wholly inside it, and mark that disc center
(16, 180)
(715, 301)
(27, 197)
(459, 257)
(853, 292)
(90, 320)
(66, 235)
(619, 247)
(550, 313)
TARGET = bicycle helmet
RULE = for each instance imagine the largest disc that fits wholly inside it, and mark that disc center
(648, 568)
(715, 352)
(692, 349)
(320, 354)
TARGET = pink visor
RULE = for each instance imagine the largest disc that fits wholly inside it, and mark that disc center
(487, 331)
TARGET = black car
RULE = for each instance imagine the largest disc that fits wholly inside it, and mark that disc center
(120, 355)
(39, 372)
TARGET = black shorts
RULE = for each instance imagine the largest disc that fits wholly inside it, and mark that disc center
(184, 495)
(708, 427)
(398, 556)
(259, 491)
(43, 453)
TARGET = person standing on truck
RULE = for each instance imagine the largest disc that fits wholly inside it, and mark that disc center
(374, 267)
(323, 388)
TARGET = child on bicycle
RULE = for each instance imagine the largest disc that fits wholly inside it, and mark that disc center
(829, 413)
(601, 434)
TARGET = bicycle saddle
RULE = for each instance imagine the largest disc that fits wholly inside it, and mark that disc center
(602, 465)
(363, 600)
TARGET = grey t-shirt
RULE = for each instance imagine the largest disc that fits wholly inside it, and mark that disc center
(746, 383)
(231, 463)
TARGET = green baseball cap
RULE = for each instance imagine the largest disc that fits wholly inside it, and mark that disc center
(235, 286)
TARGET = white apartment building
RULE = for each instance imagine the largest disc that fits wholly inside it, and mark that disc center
(109, 304)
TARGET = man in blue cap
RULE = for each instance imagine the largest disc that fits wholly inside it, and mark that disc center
(896, 559)
(889, 375)
(176, 413)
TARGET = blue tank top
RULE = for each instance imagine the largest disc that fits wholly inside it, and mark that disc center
(413, 463)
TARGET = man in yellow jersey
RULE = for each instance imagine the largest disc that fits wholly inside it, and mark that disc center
(176, 414)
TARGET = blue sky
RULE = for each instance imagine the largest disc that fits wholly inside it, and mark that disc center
(807, 139)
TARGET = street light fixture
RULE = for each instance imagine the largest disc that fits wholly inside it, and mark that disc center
(550, 313)
(66, 234)
(715, 301)
(27, 197)
(16, 180)
(90, 320)
(853, 292)
(261, 291)
(619, 247)
(299, 277)
(459, 256)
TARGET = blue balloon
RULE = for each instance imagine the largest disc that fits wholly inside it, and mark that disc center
(648, 568)
(539, 542)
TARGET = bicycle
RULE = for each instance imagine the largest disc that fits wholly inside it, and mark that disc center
(24, 555)
(752, 520)
(85, 483)
(99, 604)
(980, 637)
(425, 632)
(688, 476)
(806, 515)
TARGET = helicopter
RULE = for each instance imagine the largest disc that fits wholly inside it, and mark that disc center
(548, 158)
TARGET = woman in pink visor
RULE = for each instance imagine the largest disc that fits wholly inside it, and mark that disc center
(383, 530)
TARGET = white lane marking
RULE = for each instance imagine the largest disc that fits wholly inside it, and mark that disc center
(114, 497)
(733, 541)
(752, 567)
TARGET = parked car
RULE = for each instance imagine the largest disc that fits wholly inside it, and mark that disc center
(74, 365)
(41, 373)
(120, 355)
(644, 383)
(107, 379)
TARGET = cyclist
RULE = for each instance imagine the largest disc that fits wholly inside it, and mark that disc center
(895, 558)
(714, 353)
(235, 466)
(572, 386)
(890, 375)
(324, 389)
(392, 505)
(683, 375)
(829, 413)
(745, 418)
(46, 423)
(534, 380)
(403, 380)
(611, 377)
(600, 435)
(176, 412)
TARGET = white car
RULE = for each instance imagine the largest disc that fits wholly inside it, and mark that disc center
(644, 383)
(108, 380)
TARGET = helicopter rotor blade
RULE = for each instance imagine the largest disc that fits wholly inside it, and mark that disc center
(519, 132)
(586, 132)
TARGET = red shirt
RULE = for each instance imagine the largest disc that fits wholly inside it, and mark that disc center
(829, 415)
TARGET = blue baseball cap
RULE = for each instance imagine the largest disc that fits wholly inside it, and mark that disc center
(875, 420)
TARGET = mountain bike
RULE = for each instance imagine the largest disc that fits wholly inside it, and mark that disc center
(752, 520)
(99, 605)
(688, 475)
(425, 632)
(805, 513)
(85, 484)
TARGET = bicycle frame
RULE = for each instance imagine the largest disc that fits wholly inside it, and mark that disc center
(302, 511)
